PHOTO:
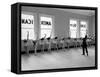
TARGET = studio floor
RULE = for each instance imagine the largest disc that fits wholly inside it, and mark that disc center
(69, 58)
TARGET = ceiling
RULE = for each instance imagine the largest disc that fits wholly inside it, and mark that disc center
(82, 12)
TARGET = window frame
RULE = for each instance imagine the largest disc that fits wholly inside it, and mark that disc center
(34, 24)
(77, 20)
(87, 28)
(53, 18)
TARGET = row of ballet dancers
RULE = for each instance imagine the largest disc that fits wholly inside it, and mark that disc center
(56, 40)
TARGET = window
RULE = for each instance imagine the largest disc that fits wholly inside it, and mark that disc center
(73, 28)
(27, 26)
(83, 28)
(45, 26)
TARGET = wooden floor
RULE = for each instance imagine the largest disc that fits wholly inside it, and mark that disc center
(70, 58)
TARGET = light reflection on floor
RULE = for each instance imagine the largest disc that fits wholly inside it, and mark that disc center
(69, 58)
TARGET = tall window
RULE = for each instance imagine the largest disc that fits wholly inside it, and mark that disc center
(73, 28)
(83, 28)
(45, 26)
(27, 26)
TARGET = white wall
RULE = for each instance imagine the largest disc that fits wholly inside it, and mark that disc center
(61, 19)
(5, 42)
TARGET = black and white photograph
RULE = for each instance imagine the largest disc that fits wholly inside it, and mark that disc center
(53, 38)
(57, 38)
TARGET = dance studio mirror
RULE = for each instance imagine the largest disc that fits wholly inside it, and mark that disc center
(57, 38)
